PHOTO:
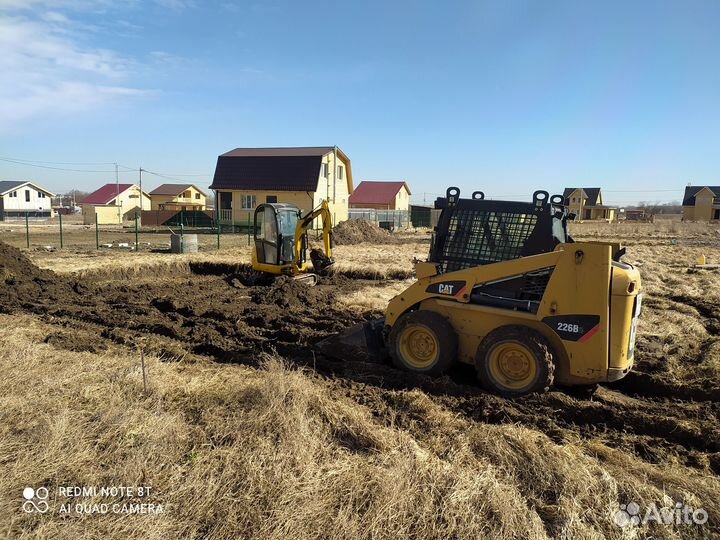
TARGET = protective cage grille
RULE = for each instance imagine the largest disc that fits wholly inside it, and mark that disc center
(476, 237)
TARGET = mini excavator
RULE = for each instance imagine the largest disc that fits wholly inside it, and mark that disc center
(281, 241)
(506, 289)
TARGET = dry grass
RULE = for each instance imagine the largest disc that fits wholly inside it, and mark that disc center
(278, 453)
(126, 264)
(381, 261)
(660, 229)
(275, 453)
(373, 297)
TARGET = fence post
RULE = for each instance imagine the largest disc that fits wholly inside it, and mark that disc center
(61, 235)
(217, 222)
(182, 237)
(97, 232)
(27, 230)
(248, 227)
(137, 243)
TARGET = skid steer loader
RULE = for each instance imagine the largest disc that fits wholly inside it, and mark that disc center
(506, 289)
(281, 241)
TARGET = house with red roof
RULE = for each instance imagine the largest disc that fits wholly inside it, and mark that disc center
(381, 196)
(113, 203)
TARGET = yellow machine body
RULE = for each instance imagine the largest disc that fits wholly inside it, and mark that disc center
(281, 239)
(588, 312)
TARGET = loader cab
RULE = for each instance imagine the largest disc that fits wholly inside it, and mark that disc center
(275, 225)
(477, 231)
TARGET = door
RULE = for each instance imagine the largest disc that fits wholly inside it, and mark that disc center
(266, 234)
(716, 214)
(287, 222)
(225, 200)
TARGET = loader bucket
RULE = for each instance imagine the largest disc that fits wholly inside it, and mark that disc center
(360, 343)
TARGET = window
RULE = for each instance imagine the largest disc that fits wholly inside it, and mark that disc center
(186, 195)
(271, 199)
(340, 172)
(197, 196)
(41, 195)
(248, 202)
(27, 195)
(324, 170)
(13, 194)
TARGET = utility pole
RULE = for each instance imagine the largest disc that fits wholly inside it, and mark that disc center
(141, 195)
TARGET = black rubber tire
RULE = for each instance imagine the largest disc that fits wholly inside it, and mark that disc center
(443, 332)
(534, 342)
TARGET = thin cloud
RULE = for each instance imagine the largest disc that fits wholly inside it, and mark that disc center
(53, 73)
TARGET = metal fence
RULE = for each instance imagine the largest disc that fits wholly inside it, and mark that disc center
(387, 219)
(22, 215)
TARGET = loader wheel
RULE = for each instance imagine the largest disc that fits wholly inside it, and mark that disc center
(423, 341)
(514, 361)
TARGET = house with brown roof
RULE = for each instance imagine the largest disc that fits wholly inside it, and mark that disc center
(113, 203)
(303, 176)
(381, 196)
(177, 197)
(701, 203)
(586, 204)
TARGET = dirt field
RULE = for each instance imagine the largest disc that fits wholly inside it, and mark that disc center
(246, 432)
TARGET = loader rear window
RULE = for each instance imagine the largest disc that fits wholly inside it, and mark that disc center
(478, 237)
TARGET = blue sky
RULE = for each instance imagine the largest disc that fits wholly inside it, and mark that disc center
(506, 96)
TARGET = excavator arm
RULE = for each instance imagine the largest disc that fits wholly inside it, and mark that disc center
(319, 259)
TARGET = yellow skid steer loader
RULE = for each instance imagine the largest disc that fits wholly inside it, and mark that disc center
(506, 289)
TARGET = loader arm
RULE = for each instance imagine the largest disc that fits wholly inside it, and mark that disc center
(304, 223)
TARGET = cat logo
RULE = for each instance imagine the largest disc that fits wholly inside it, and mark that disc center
(445, 289)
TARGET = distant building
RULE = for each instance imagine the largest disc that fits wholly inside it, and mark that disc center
(701, 203)
(303, 176)
(177, 197)
(636, 214)
(586, 204)
(113, 203)
(381, 196)
(18, 199)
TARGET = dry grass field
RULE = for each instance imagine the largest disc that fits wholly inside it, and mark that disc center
(242, 431)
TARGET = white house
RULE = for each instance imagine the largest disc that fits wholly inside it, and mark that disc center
(18, 199)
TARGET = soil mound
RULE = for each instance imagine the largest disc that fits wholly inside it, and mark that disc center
(286, 292)
(25, 283)
(357, 231)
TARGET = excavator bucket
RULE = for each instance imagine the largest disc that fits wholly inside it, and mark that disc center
(320, 261)
(360, 343)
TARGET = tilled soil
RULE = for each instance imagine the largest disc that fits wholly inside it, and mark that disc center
(210, 312)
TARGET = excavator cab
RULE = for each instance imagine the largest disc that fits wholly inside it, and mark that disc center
(275, 225)
(281, 241)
